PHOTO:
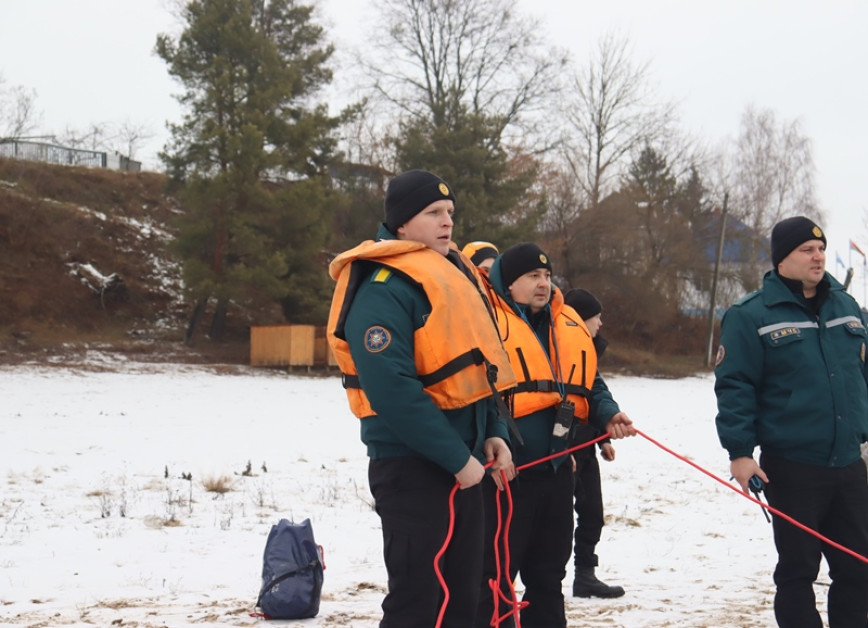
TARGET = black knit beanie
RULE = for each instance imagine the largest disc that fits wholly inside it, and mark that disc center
(410, 192)
(479, 251)
(520, 259)
(790, 233)
(583, 302)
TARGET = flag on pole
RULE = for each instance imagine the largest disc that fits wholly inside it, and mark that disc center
(839, 261)
(854, 246)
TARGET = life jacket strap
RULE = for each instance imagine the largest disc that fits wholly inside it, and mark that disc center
(548, 385)
(472, 357)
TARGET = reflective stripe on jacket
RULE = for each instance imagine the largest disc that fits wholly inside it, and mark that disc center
(790, 382)
(457, 347)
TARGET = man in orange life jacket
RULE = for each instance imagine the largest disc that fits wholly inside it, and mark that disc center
(423, 365)
(553, 357)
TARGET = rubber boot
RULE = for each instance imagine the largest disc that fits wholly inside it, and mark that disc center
(587, 585)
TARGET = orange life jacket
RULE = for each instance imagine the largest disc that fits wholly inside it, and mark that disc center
(457, 351)
(539, 382)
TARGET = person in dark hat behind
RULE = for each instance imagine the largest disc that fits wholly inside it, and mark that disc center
(392, 324)
(553, 357)
(591, 311)
(588, 493)
(481, 253)
(790, 378)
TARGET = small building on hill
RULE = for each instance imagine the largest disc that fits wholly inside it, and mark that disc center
(63, 155)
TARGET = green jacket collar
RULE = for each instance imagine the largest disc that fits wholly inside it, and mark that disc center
(383, 233)
(776, 290)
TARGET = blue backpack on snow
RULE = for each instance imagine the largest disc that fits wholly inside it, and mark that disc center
(292, 572)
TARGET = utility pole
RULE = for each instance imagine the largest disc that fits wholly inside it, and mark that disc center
(713, 305)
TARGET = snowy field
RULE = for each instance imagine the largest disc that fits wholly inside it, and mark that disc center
(100, 525)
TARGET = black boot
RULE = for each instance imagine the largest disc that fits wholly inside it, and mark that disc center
(587, 585)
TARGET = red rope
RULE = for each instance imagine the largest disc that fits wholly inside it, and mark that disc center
(772, 510)
(564, 452)
(442, 551)
(494, 583)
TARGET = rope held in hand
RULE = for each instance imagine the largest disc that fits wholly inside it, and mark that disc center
(516, 605)
(494, 583)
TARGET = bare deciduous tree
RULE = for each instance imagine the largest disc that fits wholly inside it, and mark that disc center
(18, 115)
(442, 58)
(129, 137)
(611, 116)
(93, 138)
(563, 242)
(771, 177)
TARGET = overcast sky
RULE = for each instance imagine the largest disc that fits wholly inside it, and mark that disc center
(92, 61)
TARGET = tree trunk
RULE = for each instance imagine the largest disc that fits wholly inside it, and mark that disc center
(195, 317)
(218, 321)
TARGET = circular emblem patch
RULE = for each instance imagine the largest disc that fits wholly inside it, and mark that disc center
(817, 231)
(444, 189)
(543, 258)
(721, 353)
(377, 339)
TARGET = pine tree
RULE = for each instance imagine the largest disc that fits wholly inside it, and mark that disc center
(492, 188)
(252, 156)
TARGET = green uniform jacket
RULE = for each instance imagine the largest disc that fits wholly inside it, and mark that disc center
(408, 423)
(603, 405)
(792, 383)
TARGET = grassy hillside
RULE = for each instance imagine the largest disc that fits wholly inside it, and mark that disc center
(85, 261)
(85, 265)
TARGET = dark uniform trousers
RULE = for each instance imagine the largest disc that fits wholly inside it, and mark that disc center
(411, 496)
(834, 502)
(540, 540)
(588, 495)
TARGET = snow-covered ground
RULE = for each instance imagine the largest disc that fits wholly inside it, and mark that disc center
(99, 525)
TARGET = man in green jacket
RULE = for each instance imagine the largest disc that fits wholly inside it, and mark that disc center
(407, 309)
(791, 379)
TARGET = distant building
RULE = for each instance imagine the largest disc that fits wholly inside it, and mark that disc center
(56, 154)
(743, 249)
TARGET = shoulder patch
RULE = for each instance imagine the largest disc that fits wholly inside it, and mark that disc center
(382, 275)
(721, 353)
(377, 338)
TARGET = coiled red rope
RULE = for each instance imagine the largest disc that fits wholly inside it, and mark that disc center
(495, 583)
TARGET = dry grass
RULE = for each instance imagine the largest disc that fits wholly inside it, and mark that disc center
(625, 359)
(219, 484)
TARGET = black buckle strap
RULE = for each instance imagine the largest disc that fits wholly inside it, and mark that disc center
(538, 385)
(577, 389)
(350, 381)
(470, 358)
(548, 385)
